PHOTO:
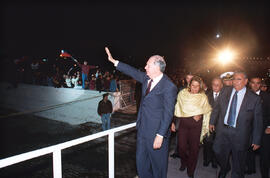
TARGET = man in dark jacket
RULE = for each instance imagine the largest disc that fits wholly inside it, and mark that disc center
(208, 153)
(105, 110)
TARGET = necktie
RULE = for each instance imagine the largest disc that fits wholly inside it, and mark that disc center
(215, 98)
(148, 87)
(232, 112)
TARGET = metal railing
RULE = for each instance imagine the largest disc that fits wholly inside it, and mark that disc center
(56, 150)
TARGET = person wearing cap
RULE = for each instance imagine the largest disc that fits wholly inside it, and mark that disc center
(105, 109)
(227, 78)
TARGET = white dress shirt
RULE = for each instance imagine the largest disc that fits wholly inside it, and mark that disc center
(240, 96)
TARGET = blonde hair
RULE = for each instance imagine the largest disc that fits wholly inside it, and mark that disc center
(197, 79)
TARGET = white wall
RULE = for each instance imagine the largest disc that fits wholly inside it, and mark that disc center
(32, 98)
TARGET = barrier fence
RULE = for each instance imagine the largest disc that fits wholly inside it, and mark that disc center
(56, 151)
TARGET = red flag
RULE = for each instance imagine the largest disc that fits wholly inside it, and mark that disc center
(64, 54)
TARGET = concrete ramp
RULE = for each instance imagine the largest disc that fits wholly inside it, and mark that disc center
(73, 106)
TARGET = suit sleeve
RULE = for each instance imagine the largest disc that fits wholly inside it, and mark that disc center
(257, 123)
(169, 99)
(131, 71)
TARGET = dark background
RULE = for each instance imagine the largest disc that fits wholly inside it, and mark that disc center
(183, 32)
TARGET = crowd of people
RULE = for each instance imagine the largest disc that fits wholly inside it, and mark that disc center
(231, 118)
(190, 135)
(79, 76)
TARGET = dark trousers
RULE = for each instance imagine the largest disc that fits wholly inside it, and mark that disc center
(151, 163)
(265, 156)
(250, 161)
(223, 147)
(208, 153)
(189, 142)
(176, 136)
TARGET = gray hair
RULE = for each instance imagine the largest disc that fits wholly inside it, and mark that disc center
(241, 72)
(159, 61)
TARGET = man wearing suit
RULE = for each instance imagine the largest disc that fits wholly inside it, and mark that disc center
(208, 153)
(237, 117)
(255, 85)
(154, 117)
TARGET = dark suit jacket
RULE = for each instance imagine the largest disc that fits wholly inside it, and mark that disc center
(249, 121)
(156, 108)
(266, 108)
(210, 98)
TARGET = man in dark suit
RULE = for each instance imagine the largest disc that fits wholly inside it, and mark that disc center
(208, 153)
(237, 117)
(255, 85)
(154, 117)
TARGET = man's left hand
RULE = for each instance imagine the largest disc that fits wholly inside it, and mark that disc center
(255, 147)
(157, 142)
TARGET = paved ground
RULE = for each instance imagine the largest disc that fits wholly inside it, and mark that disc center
(26, 133)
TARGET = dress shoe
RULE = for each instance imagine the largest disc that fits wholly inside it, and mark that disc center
(221, 175)
(214, 165)
(249, 172)
(174, 155)
(182, 168)
(205, 163)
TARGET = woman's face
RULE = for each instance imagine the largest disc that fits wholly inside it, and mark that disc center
(194, 87)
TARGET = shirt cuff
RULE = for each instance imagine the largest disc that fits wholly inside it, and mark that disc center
(268, 126)
(116, 63)
(159, 135)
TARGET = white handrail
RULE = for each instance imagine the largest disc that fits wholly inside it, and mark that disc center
(56, 150)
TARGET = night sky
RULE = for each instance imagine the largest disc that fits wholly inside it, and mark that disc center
(133, 30)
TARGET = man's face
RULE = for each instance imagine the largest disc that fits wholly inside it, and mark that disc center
(85, 62)
(239, 81)
(255, 84)
(228, 82)
(152, 70)
(217, 85)
(188, 78)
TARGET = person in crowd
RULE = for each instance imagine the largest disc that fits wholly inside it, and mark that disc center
(92, 83)
(154, 117)
(255, 85)
(68, 81)
(85, 71)
(227, 78)
(175, 124)
(105, 109)
(237, 120)
(107, 81)
(193, 110)
(74, 81)
(264, 87)
(50, 80)
(98, 73)
(113, 84)
(35, 71)
(99, 83)
(208, 153)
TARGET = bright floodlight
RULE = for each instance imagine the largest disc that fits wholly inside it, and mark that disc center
(225, 56)
(217, 36)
